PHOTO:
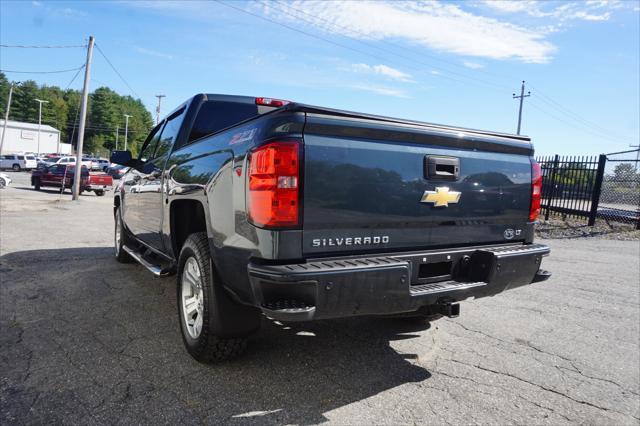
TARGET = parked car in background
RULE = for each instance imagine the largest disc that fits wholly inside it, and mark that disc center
(116, 171)
(5, 180)
(72, 160)
(102, 164)
(99, 183)
(17, 162)
(59, 175)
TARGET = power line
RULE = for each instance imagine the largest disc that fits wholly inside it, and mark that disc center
(117, 72)
(567, 112)
(24, 46)
(379, 57)
(344, 46)
(561, 120)
(74, 78)
(43, 72)
(393, 52)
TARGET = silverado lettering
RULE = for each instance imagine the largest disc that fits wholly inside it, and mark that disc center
(349, 241)
(262, 207)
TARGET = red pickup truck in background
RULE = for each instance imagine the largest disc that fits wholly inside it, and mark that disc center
(55, 175)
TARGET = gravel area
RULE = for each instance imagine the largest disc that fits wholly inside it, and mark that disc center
(573, 228)
(86, 340)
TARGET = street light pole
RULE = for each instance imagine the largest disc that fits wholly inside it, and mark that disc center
(126, 129)
(40, 101)
(6, 117)
(158, 107)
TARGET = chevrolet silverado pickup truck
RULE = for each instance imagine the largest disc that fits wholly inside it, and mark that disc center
(295, 212)
(54, 176)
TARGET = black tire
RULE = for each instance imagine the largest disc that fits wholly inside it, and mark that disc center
(36, 184)
(16, 167)
(208, 346)
(2, 183)
(121, 255)
(99, 192)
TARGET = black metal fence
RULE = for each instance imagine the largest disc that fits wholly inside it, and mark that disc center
(606, 187)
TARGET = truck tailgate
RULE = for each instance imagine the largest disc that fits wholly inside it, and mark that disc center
(100, 179)
(365, 182)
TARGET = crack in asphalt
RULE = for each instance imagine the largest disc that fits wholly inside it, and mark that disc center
(545, 388)
(572, 362)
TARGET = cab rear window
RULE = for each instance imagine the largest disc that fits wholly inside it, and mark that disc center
(214, 116)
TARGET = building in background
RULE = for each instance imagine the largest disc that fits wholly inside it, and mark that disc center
(23, 137)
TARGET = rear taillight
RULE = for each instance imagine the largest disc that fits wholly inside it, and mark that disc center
(271, 102)
(274, 175)
(536, 190)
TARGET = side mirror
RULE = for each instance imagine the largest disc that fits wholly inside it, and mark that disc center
(122, 157)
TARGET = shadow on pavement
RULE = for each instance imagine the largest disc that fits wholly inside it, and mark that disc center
(50, 190)
(86, 339)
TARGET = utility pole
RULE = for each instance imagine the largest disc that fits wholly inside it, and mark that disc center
(158, 107)
(6, 117)
(83, 119)
(117, 131)
(126, 129)
(637, 155)
(40, 101)
(521, 97)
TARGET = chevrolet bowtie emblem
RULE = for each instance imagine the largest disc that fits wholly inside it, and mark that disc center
(441, 197)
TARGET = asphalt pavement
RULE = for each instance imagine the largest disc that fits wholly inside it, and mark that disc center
(86, 340)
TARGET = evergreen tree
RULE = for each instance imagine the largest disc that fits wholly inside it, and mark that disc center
(105, 113)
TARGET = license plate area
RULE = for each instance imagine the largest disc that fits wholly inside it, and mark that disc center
(433, 268)
(434, 272)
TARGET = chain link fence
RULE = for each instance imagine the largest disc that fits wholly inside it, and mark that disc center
(620, 192)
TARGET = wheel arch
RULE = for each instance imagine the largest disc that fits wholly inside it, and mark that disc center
(116, 203)
(186, 216)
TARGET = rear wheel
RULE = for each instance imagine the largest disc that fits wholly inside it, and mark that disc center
(198, 307)
(36, 184)
(16, 167)
(99, 192)
(120, 239)
(2, 183)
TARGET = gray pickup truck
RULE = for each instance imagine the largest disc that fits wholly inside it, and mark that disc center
(295, 212)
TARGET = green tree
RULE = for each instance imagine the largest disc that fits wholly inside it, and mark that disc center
(625, 174)
(23, 105)
(4, 93)
(106, 110)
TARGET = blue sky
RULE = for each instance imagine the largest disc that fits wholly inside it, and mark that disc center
(445, 62)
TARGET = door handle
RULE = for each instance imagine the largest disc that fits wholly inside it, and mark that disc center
(441, 167)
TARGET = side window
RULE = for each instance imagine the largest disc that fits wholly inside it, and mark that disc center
(169, 134)
(215, 115)
(20, 157)
(149, 147)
